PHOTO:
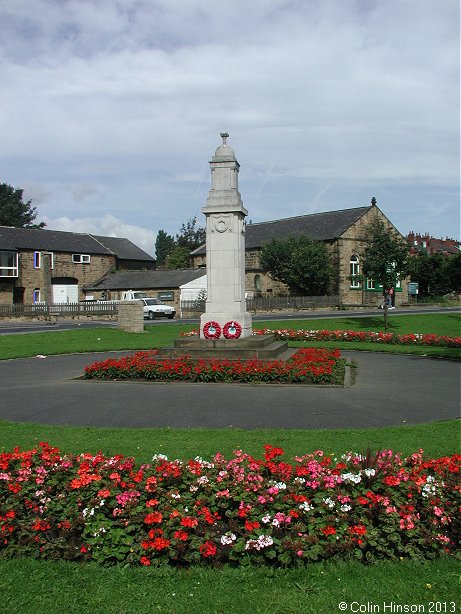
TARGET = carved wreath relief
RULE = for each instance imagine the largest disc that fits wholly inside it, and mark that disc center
(220, 223)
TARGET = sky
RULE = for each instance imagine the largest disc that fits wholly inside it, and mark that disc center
(110, 110)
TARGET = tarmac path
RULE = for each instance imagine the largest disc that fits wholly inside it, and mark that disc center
(389, 390)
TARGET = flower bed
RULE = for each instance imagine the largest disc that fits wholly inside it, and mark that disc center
(238, 510)
(362, 336)
(308, 365)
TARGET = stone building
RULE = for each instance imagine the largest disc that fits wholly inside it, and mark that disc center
(162, 284)
(343, 233)
(51, 266)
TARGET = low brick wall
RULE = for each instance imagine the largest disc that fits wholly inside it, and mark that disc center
(131, 317)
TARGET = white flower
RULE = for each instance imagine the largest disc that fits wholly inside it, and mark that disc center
(266, 519)
(204, 463)
(257, 544)
(351, 477)
(329, 502)
(228, 538)
(345, 508)
(369, 472)
(306, 507)
(159, 457)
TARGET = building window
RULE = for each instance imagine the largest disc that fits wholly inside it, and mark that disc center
(371, 284)
(38, 258)
(8, 264)
(37, 295)
(354, 270)
(81, 258)
(257, 283)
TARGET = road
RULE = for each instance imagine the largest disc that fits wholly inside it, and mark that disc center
(388, 390)
(18, 327)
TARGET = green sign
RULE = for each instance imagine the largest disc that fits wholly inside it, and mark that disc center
(166, 296)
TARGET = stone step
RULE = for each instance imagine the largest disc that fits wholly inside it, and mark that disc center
(230, 351)
(255, 341)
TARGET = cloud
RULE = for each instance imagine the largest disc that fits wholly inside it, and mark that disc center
(115, 107)
(109, 226)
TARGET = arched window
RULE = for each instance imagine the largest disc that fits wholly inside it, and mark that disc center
(354, 270)
(257, 283)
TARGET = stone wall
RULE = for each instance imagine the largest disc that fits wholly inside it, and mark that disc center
(6, 293)
(131, 317)
(31, 277)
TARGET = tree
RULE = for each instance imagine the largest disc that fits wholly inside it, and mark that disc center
(190, 236)
(164, 245)
(14, 211)
(301, 263)
(436, 274)
(385, 258)
(179, 258)
(175, 253)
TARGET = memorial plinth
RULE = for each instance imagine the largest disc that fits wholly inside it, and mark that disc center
(262, 347)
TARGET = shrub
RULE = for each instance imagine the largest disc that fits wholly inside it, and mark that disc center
(311, 365)
(240, 510)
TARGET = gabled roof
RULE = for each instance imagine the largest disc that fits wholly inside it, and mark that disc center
(142, 280)
(325, 226)
(12, 238)
(49, 240)
(124, 249)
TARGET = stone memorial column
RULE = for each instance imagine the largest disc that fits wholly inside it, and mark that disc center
(226, 315)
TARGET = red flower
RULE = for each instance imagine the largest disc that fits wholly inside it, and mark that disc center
(250, 526)
(189, 522)
(153, 517)
(328, 530)
(160, 543)
(391, 480)
(358, 529)
(41, 525)
(181, 535)
(207, 549)
(144, 561)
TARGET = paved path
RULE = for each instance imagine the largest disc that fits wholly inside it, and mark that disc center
(389, 390)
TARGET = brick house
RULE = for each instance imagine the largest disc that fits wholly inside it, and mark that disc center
(430, 245)
(51, 266)
(343, 233)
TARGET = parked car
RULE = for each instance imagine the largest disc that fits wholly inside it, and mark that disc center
(153, 307)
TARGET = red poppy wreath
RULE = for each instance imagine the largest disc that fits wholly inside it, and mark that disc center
(232, 330)
(211, 330)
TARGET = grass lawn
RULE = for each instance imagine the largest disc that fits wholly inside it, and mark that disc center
(54, 587)
(103, 339)
(28, 585)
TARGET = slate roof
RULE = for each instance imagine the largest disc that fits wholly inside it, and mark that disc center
(124, 249)
(141, 280)
(320, 226)
(60, 241)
